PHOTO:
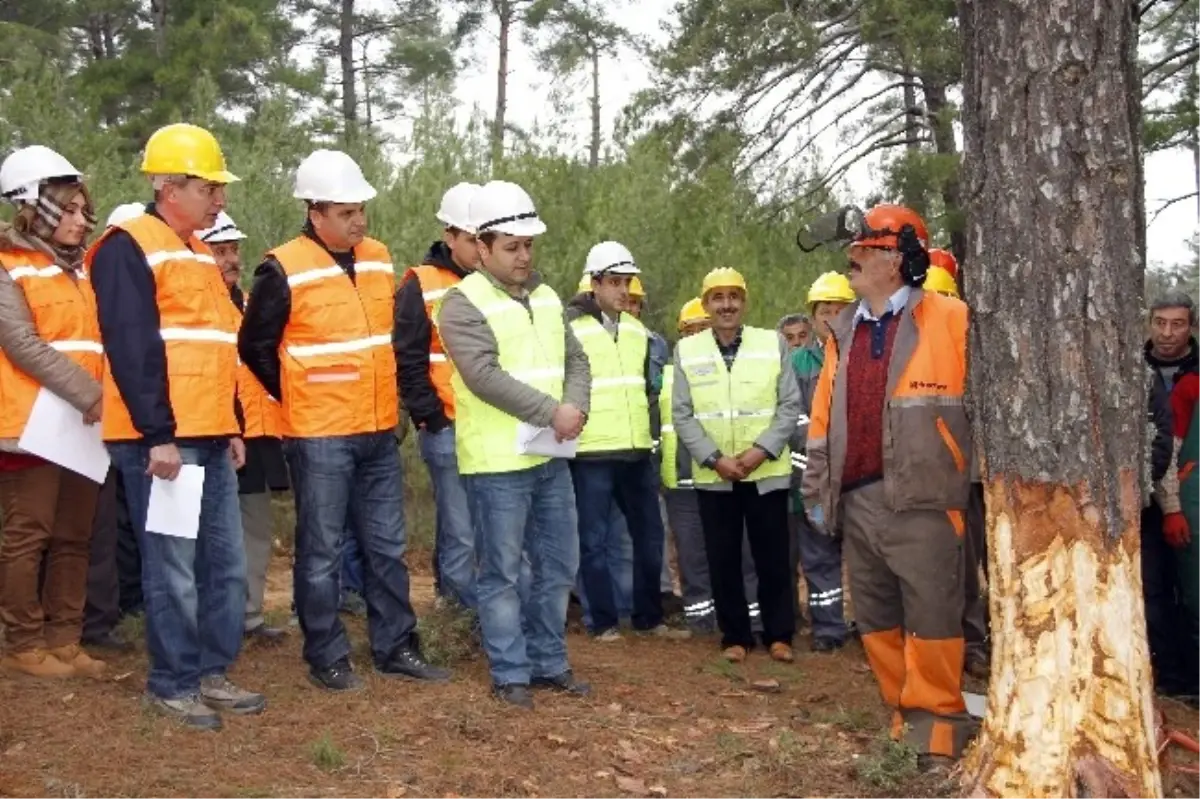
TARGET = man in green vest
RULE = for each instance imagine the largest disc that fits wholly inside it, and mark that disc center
(735, 404)
(521, 384)
(613, 460)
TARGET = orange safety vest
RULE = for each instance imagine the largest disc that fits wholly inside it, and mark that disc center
(435, 282)
(198, 324)
(260, 411)
(64, 314)
(338, 368)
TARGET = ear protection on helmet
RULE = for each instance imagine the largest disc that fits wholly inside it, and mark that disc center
(914, 258)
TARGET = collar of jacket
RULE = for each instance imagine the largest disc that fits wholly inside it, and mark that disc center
(530, 285)
(1188, 363)
(842, 330)
(584, 304)
(439, 256)
(345, 260)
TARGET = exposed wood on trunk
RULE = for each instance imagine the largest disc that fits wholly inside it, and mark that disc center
(349, 72)
(594, 148)
(1054, 279)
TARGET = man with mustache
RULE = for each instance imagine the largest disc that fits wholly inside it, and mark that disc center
(317, 335)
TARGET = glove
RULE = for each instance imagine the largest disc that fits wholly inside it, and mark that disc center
(1175, 530)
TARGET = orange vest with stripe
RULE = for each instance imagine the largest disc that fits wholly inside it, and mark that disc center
(260, 411)
(198, 324)
(435, 282)
(338, 369)
(64, 314)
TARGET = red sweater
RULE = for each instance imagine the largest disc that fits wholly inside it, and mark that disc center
(866, 395)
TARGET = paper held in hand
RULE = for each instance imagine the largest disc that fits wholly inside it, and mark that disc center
(56, 432)
(175, 504)
(541, 441)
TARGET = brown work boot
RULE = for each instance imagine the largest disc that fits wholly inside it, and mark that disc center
(84, 664)
(782, 652)
(37, 663)
(734, 654)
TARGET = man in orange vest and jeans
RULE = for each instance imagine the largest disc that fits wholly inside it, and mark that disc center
(170, 333)
(425, 389)
(318, 335)
(889, 454)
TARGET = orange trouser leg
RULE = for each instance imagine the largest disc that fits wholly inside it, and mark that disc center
(885, 653)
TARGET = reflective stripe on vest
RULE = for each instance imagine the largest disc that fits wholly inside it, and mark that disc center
(338, 370)
(735, 406)
(198, 325)
(63, 310)
(260, 411)
(530, 345)
(435, 282)
(619, 414)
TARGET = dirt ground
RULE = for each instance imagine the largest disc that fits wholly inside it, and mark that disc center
(666, 718)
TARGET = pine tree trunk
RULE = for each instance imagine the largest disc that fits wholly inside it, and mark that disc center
(504, 10)
(1055, 286)
(594, 148)
(940, 123)
(349, 71)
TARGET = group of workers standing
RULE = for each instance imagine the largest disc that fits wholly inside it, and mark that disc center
(549, 431)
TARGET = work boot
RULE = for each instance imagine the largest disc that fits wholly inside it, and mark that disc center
(734, 654)
(84, 665)
(826, 644)
(934, 764)
(782, 652)
(408, 662)
(670, 633)
(353, 604)
(37, 663)
(266, 635)
(189, 710)
(609, 636)
(110, 640)
(514, 694)
(564, 683)
(219, 693)
(337, 678)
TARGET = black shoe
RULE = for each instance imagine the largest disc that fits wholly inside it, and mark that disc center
(266, 635)
(824, 644)
(564, 683)
(407, 662)
(338, 677)
(109, 641)
(514, 694)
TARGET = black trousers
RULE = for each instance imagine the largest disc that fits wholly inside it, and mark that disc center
(764, 517)
(1164, 617)
(115, 566)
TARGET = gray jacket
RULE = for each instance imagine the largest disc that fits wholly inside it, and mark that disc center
(28, 352)
(773, 439)
(472, 347)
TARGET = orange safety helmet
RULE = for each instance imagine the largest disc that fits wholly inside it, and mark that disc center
(884, 223)
(945, 259)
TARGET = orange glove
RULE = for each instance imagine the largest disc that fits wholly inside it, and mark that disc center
(1175, 530)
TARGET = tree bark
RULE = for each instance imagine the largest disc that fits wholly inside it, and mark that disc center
(594, 149)
(158, 15)
(1055, 286)
(504, 10)
(349, 72)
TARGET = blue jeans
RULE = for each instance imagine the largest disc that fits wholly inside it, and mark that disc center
(620, 565)
(634, 486)
(352, 562)
(349, 482)
(524, 513)
(454, 537)
(194, 590)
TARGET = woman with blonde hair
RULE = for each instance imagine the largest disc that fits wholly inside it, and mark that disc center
(49, 338)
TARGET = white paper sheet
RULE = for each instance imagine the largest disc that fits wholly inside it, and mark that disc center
(56, 432)
(175, 504)
(541, 441)
(976, 704)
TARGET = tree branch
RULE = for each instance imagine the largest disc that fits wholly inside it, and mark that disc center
(1168, 203)
(1180, 53)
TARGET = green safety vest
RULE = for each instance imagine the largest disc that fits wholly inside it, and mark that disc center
(735, 406)
(619, 414)
(530, 342)
(1189, 484)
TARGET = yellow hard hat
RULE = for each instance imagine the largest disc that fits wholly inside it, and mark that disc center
(940, 280)
(692, 312)
(585, 284)
(183, 149)
(831, 287)
(635, 288)
(723, 277)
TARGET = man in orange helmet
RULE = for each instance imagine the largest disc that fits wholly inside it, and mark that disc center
(889, 454)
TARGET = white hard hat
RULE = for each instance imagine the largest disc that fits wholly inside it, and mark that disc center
(123, 213)
(456, 206)
(612, 257)
(331, 176)
(223, 230)
(23, 173)
(502, 207)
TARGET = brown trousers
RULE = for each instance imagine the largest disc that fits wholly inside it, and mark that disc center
(47, 516)
(906, 577)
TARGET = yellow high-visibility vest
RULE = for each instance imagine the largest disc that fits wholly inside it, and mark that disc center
(619, 413)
